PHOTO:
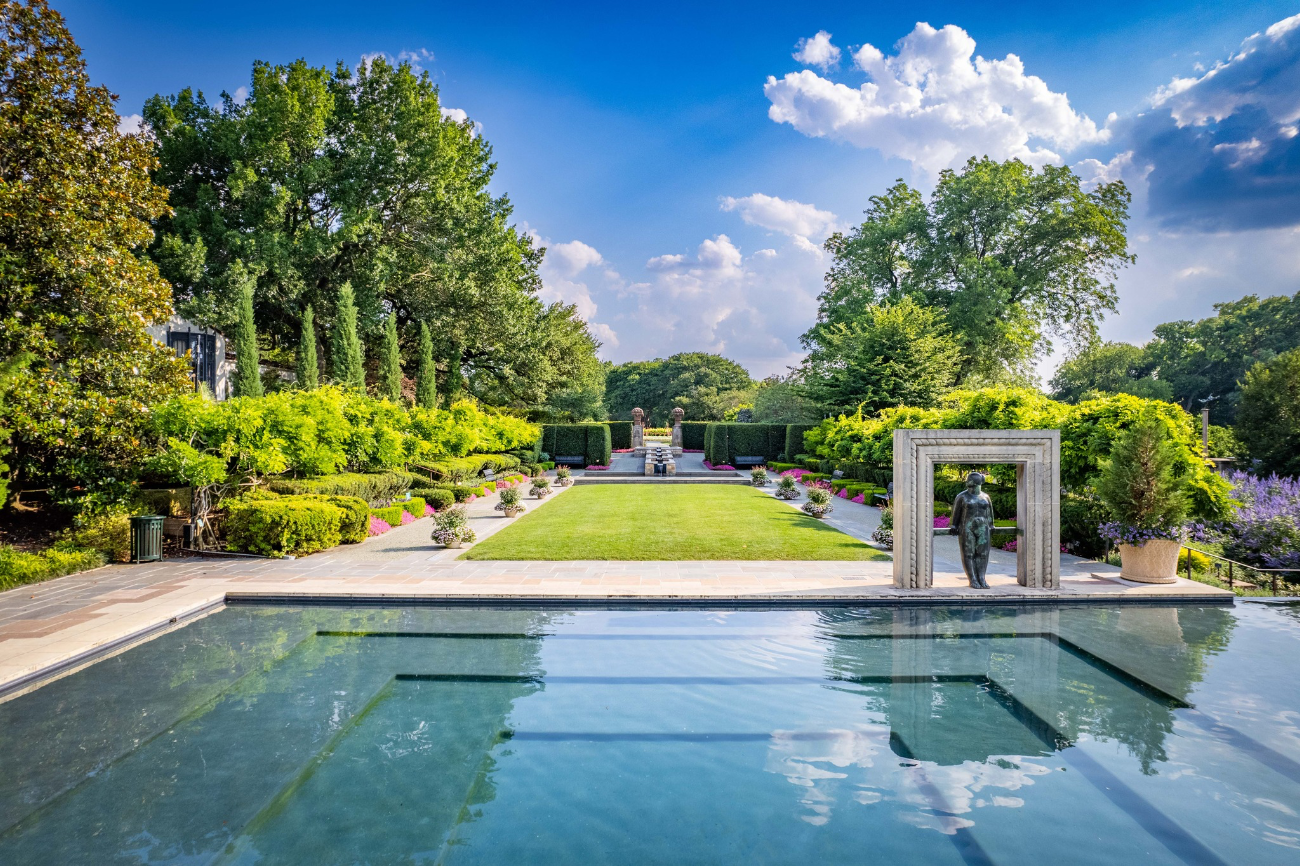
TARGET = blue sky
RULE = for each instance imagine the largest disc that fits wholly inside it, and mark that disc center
(683, 193)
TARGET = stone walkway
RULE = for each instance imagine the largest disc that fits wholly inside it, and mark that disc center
(58, 624)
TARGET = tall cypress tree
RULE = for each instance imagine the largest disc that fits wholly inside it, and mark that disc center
(348, 368)
(390, 361)
(426, 388)
(308, 371)
(248, 380)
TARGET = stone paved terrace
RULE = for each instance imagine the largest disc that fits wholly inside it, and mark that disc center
(58, 624)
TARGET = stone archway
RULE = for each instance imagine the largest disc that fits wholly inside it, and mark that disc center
(1037, 456)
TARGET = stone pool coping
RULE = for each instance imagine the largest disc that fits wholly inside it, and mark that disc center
(50, 628)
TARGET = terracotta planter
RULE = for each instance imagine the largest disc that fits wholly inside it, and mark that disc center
(540, 494)
(454, 545)
(511, 512)
(1153, 562)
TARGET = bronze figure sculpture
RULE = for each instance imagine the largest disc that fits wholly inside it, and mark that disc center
(972, 523)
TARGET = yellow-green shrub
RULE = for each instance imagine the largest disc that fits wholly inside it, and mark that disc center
(287, 525)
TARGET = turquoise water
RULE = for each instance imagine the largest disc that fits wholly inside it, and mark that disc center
(323, 735)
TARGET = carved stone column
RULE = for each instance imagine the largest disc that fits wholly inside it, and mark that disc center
(676, 441)
(638, 428)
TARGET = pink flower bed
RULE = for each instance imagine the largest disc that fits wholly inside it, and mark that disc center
(824, 485)
(471, 498)
(1010, 546)
(844, 493)
(624, 450)
(720, 468)
(597, 468)
(796, 474)
(407, 517)
(942, 522)
(692, 450)
(429, 510)
(378, 526)
(861, 498)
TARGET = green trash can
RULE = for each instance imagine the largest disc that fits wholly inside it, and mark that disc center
(146, 538)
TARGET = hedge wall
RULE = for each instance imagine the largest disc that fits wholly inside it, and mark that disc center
(794, 445)
(620, 434)
(723, 442)
(693, 435)
(592, 441)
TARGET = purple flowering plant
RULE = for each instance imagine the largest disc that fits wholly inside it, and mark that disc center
(1265, 531)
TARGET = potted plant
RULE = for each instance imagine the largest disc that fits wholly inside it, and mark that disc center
(563, 477)
(787, 489)
(451, 527)
(541, 487)
(1148, 500)
(884, 533)
(758, 476)
(819, 502)
(510, 503)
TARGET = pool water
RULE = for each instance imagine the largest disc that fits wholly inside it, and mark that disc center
(319, 735)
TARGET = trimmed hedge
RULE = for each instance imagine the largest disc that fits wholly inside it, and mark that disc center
(693, 435)
(724, 442)
(1004, 499)
(371, 486)
(19, 566)
(288, 525)
(438, 497)
(794, 444)
(592, 441)
(620, 434)
(413, 506)
(392, 515)
(354, 526)
(470, 467)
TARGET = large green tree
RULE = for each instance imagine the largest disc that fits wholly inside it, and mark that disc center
(1012, 256)
(323, 177)
(704, 385)
(894, 354)
(75, 205)
(1108, 368)
(1268, 423)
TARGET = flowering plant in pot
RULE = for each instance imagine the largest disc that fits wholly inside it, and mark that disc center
(1147, 498)
(563, 477)
(451, 527)
(819, 502)
(509, 503)
(884, 533)
(787, 489)
(541, 487)
(758, 476)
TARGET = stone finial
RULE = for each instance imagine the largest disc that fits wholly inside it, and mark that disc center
(637, 416)
(678, 415)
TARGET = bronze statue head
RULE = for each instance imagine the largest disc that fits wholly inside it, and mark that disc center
(974, 480)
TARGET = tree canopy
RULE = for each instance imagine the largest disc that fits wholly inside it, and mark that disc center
(1269, 421)
(894, 354)
(706, 386)
(1108, 368)
(75, 298)
(325, 177)
(1010, 255)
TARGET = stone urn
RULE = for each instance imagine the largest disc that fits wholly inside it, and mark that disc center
(511, 512)
(454, 545)
(1155, 561)
(541, 494)
(564, 482)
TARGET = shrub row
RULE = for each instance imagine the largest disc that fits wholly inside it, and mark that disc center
(724, 442)
(794, 444)
(592, 441)
(273, 525)
(18, 567)
(461, 468)
(620, 434)
(374, 487)
(693, 435)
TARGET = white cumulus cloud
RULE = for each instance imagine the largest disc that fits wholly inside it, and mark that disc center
(571, 274)
(130, 124)
(935, 103)
(817, 51)
(803, 222)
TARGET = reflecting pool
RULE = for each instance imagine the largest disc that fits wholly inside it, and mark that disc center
(319, 735)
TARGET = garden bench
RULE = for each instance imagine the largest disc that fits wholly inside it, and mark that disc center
(570, 460)
(750, 460)
(887, 495)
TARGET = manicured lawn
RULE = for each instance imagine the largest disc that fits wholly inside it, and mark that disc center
(681, 521)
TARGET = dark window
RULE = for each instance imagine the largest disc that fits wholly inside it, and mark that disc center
(203, 356)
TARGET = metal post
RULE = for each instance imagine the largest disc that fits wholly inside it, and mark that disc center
(1189, 562)
(1275, 584)
(1205, 429)
(1229, 574)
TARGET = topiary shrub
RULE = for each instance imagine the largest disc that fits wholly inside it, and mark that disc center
(439, 497)
(290, 525)
(355, 523)
(413, 506)
(693, 435)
